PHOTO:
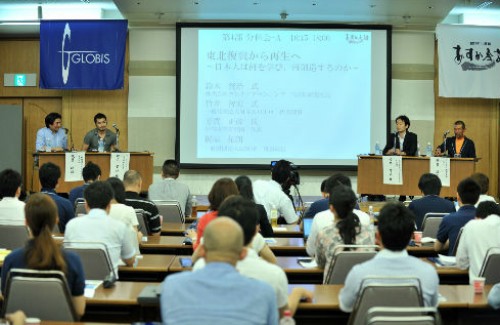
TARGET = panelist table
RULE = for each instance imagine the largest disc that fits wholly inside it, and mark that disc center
(370, 175)
(140, 161)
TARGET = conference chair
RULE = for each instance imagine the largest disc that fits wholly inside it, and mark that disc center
(385, 292)
(95, 259)
(170, 210)
(12, 237)
(430, 224)
(491, 266)
(344, 258)
(40, 294)
(455, 247)
(403, 315)
(143, 224)
(80, 207)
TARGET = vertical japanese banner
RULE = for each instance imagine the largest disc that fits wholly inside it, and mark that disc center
(75, 161)
(119, 164)
(441, 167)
(392, 167)
(469, 61)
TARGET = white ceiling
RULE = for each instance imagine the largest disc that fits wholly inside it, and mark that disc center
(402, 14)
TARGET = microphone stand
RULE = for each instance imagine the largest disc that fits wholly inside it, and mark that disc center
(117, 140)
(444, 146)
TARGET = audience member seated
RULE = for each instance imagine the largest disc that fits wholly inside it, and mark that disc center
(122, 212)
(345, 228)
(11, 208)
(325, 218)
(468, 194)
(324, 204)
(91, 173)
(430, 186)
(97, 226)
(395, 227)
(43, 253)
(494, 296)
(221, 189)
(16, 318)
(477, 237)
(218, 294)
(169, 188)
(246, 190)
(275, 192)
(244, 212)
(132, 181)
(49, 175)
(484, 183)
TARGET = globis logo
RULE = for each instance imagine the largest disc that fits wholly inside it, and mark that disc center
(69, 57)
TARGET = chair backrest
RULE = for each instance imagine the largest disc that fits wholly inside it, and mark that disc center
(170, 210)
(95, 259)
(12, 237)
(491, 266)
(344, 260)
(403, 315)
(457, 241)
(430, 224)
(143, 225)
(40, 294)
(396, 291)
(80, 207)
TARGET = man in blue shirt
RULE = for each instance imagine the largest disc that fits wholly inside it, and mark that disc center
(91, 173)
(330, 183)
(430, 185)
(395, 227)
(468, 194)
(52, 136)
(49, 175)
(218, 294)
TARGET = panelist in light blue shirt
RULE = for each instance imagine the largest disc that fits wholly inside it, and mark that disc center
(53, 136)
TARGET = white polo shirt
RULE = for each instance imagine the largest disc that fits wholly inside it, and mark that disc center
(12, 211)
(269, 193)
(97, 226)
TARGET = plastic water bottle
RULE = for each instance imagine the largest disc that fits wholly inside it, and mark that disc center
(428, 150)
(274, 216)
(378, 151)
(287, 318)
(194, 203)
(100, 146)
(48, 144)
(418, 149)
(372, 219)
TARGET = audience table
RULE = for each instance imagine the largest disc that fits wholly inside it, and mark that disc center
(149, 267)
(178, 229)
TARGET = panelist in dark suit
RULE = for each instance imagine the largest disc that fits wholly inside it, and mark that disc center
(405, 143)
(430, 185)
(459, 145)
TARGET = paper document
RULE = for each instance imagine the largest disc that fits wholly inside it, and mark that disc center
(90, 286)
(392, 168)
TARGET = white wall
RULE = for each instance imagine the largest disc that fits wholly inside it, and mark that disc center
(152, 102)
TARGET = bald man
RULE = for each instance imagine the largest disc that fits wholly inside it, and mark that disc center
(218, 294)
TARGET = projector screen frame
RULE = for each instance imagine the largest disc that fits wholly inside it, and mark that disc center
(305, 26)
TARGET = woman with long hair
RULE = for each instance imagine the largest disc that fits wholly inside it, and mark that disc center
(43, 253)
(346, 228)
(246, 190)
(221, 189)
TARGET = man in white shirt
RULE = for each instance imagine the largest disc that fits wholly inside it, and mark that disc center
(11, 208)
(273, 194)
(478, 236)
(97, 226)
(484, 183)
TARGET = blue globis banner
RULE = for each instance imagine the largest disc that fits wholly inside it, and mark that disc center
(82, 54)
